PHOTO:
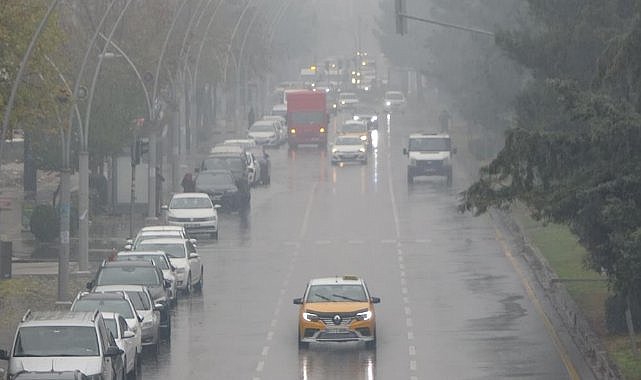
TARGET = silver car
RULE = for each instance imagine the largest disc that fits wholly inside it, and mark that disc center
(147, 310)
(183, 256)
(65, 341)
(161, 260)
(124, 338)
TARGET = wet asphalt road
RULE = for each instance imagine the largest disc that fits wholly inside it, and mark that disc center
(455, 303)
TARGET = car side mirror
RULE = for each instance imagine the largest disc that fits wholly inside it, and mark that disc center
(140, 318)
(4, 355)
(298, 301)
(193, 256)
(405, 151)
(113, 351)
(375, 300)
(129, 241)
(194, 241)
(89, 285)
(159, 306)
(173, 268)
(128, 334)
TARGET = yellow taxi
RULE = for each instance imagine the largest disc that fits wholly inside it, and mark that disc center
(337, 309)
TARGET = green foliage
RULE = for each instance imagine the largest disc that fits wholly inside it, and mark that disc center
(573, 157)
(44, 223)
(615, 307)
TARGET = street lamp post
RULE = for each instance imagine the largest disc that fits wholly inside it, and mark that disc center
(83, 195)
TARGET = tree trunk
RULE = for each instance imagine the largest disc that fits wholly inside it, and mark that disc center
(628, 320)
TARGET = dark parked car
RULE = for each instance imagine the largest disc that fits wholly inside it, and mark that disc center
(131, 272)
(223, 190)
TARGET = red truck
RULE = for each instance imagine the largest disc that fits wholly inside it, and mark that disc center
(307, 118)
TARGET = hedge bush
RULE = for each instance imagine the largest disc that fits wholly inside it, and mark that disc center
(44, 223)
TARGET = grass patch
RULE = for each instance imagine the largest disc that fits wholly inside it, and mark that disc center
(567, 257)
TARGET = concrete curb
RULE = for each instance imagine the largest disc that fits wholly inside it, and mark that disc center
(570, 314)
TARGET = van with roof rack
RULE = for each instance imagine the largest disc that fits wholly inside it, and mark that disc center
(64, 341)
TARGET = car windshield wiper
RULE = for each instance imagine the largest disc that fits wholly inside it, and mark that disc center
(345, 298)
(323, 297)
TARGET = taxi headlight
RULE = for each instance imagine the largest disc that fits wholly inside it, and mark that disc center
(364, 316)
(363, 138)
(322, 130)
(374, 118)
(388, 103)
(334, 150)
(310, 317)
(362, 150)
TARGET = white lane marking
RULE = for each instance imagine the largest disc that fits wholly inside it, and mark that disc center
(403, 281)
(409, 322)
(408, 311)
(406, 300)
(270, 335)
(412, 351)
(265, 351)
(400, 258)
(402, 274)
(259, 367)
(423, 241)
(401, 266)
(355, 242)
(404, 290)
(410, 335)
(412, 365)
(273, 324)
(308, 211)
(323, 242)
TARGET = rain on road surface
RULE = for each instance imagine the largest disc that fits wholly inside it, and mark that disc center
(453, 305)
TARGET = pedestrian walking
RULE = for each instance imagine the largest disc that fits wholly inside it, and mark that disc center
(188, 184)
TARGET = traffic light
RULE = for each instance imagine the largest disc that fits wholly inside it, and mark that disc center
(401, 21)
(138, 149)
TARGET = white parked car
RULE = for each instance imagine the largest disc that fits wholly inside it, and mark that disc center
(146, 309)
(193, 211)
(183, 256)
(281, 125)
(265, 132)
(115, 303)
(125, 340)
(153, 232)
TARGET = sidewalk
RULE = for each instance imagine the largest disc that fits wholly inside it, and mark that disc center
(106, 232)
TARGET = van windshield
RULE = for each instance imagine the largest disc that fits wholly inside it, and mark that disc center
(42, 341)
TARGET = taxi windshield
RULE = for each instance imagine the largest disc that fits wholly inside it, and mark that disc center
(336, 293)
(353, 128)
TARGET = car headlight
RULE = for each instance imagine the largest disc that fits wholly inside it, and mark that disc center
(363, 138)
(334, 150)
(374, 118)
(310, 317)
(342, 102)
(356, 117)
(212, 218)
(321, 130)
(362, 150)
(388, 103)
(364, 316)
(333, 105)
(292, 131)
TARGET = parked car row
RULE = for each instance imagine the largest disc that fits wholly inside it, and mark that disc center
(125, 309)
